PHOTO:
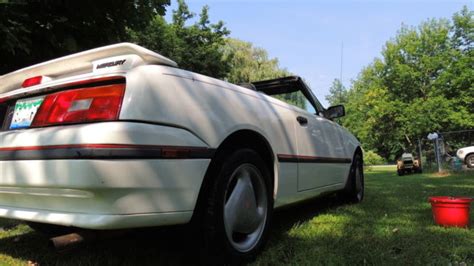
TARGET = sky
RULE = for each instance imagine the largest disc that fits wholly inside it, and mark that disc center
(310, 37)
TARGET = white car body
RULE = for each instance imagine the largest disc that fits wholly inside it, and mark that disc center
(148, 167)
(464, 152)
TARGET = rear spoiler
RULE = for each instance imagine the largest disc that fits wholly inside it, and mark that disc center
(82, 62)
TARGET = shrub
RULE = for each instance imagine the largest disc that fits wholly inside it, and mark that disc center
(372, 158)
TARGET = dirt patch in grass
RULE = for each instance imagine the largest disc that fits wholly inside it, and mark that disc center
(441, 174)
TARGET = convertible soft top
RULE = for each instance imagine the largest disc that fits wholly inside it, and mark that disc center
(286, 85)
(280, 85)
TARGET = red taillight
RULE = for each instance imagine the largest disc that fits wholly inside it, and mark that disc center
(81, 105)
(32, 81)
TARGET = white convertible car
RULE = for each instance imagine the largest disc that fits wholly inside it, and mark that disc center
(120, 137)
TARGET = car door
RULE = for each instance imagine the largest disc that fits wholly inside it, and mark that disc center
(322, 158)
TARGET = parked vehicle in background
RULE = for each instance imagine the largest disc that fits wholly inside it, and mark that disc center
(120, 137)
(466, 155)
(408, 164)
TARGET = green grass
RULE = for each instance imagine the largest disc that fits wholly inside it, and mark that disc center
(392, 226)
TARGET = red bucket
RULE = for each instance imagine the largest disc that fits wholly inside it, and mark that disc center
(451, 211)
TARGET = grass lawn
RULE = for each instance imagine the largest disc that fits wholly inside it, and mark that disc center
(392, 226)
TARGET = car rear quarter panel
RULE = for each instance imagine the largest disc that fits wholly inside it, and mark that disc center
(212, 110)
(207, 107)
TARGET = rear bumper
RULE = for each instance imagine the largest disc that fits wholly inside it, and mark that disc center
(97, 221)
(108, 185)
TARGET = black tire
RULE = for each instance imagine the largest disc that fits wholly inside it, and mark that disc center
(218, 247)
(400, 172)
(354, 190)
(470, 161)
(49, 229)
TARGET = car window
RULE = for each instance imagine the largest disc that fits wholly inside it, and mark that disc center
(309, 107)
(296, 98)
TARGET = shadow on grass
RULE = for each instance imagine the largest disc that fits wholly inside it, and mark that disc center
(287, 217)
(392, 226)
(7, 224)
(154, 246)
(160, 246)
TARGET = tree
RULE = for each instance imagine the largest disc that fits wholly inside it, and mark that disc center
(197, 47)
(38, 30)
(337, 93)
(424, 82)
(249, 63)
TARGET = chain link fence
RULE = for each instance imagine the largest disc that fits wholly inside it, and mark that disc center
(448, 144)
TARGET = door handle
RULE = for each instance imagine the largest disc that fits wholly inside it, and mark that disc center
(302, 120)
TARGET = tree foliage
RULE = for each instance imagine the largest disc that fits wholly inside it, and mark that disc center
(423, 83)
(249, 63)
(197, 47)
(337, 93)
(38, 30)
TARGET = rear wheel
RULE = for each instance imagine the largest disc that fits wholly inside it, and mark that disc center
(470, 161)
(239, 209)
(354, 191)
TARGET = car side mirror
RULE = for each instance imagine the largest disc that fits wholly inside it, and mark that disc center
(335, 111)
